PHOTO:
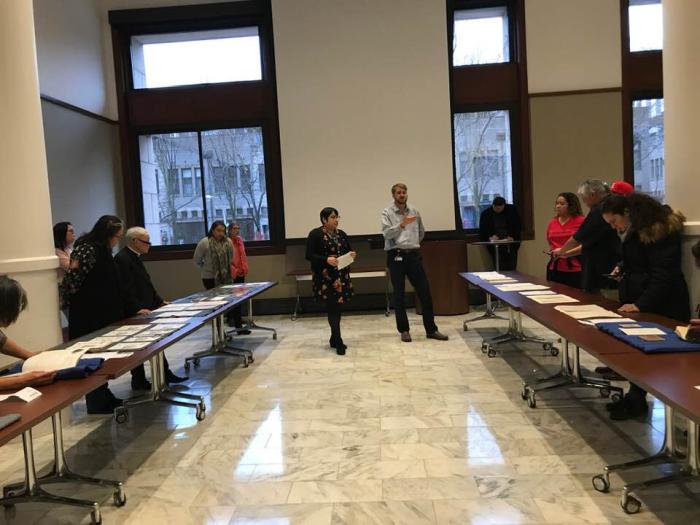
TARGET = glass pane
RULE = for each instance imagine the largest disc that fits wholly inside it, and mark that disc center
(648, 146)
(646, 25)
(232, 178)
(480, 37)
(202, 57)
(483, 162)
(167, 162)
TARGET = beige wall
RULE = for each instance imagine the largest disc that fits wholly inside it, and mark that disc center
(573, 44)
(574, 138)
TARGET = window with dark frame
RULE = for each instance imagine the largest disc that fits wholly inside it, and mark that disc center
(642, 95)
(490, 110)
(200, 140)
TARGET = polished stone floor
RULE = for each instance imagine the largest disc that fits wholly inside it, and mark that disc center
(392, 433)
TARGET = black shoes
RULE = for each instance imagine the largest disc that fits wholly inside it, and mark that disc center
(406, 337)
(608, 373)
(171, 378)
(102, 401)
(628, 409)
(339, 346)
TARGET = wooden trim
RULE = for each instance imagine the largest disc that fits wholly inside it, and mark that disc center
(543, 94)
(70, 107)
(180, 254)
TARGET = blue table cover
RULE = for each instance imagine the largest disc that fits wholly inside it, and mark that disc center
(671, 343)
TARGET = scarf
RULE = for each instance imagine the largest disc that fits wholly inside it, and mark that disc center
(221, 253)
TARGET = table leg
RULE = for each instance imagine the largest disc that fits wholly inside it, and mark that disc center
(250, 322)
(30, 490)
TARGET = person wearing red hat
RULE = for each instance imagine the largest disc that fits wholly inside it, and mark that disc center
(620, 187)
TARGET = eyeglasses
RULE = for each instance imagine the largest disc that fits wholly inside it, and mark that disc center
(145, 242)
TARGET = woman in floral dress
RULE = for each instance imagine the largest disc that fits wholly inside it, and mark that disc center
(333, 286)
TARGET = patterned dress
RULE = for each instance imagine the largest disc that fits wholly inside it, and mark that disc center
(329, 283)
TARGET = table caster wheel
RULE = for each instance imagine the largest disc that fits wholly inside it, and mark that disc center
(616, 397)
(554, 351)
(604, 392)
(187, 367)
(201, 413)
(531, 401)
(484, 347)
(195, 362)
(120, 415)
(491, 352)
(119, 497)
(465, 327)
(274, 336)
(600, 483)
(525, 392)
(630, 504)
(8, 493)
(96, 517)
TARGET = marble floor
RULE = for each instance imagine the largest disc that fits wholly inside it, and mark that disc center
(391, 433)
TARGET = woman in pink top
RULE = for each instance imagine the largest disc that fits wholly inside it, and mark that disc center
(239, 270)
(568, 219)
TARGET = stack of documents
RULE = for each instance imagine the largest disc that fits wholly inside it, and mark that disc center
(586, 311)
(594, 322)
(519, 287)
(528, 293)
(553, 299)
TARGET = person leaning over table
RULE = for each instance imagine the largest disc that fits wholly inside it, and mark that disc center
(599, 244)
(333, 286)
(213, 256)
(501, 221)
(402, 228)
(650, 275)
(93, 294)
(239, 270)
(13, 300)
(566, 222)
(695, 323)
(140, 296)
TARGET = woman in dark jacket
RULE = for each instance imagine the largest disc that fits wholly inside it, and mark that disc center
(323, 247)
(93, 295)
(651, 279)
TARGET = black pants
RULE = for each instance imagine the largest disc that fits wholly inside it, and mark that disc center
(208, 283)
(234, 317)
(334, 314)
(410, 266)
(568, 278)
(139, 373)
(507, 258)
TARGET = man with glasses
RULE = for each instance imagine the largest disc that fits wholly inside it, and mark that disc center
(140, 296)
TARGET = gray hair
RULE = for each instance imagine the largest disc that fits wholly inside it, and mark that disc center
(135, 233)
(593, 186)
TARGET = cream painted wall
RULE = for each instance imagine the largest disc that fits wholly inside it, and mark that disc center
(82, 154)
(363, 102)
(573, 44)
(70, 53)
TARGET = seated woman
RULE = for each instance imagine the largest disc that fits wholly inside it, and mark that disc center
(13, 300)
(333, 286)
(566, 222)
(650, 275)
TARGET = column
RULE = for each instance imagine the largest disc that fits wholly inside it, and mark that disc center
(26, 239)
(681, 59)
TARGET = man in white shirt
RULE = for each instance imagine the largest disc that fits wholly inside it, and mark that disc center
(403, 232)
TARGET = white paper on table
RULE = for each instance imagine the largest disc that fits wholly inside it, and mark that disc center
(111, 355)
(642, 331)
(125, 330)
(175, 307)
(518, 287)
(528, 293)
(345, 260)
(553, 299)
(594, 322)
(210, 304)
(174, 321)
(131, 345)
(51, 360)
(27, 394)
(197, 308)
(489, 276)
(585, 311)
(151, 338)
